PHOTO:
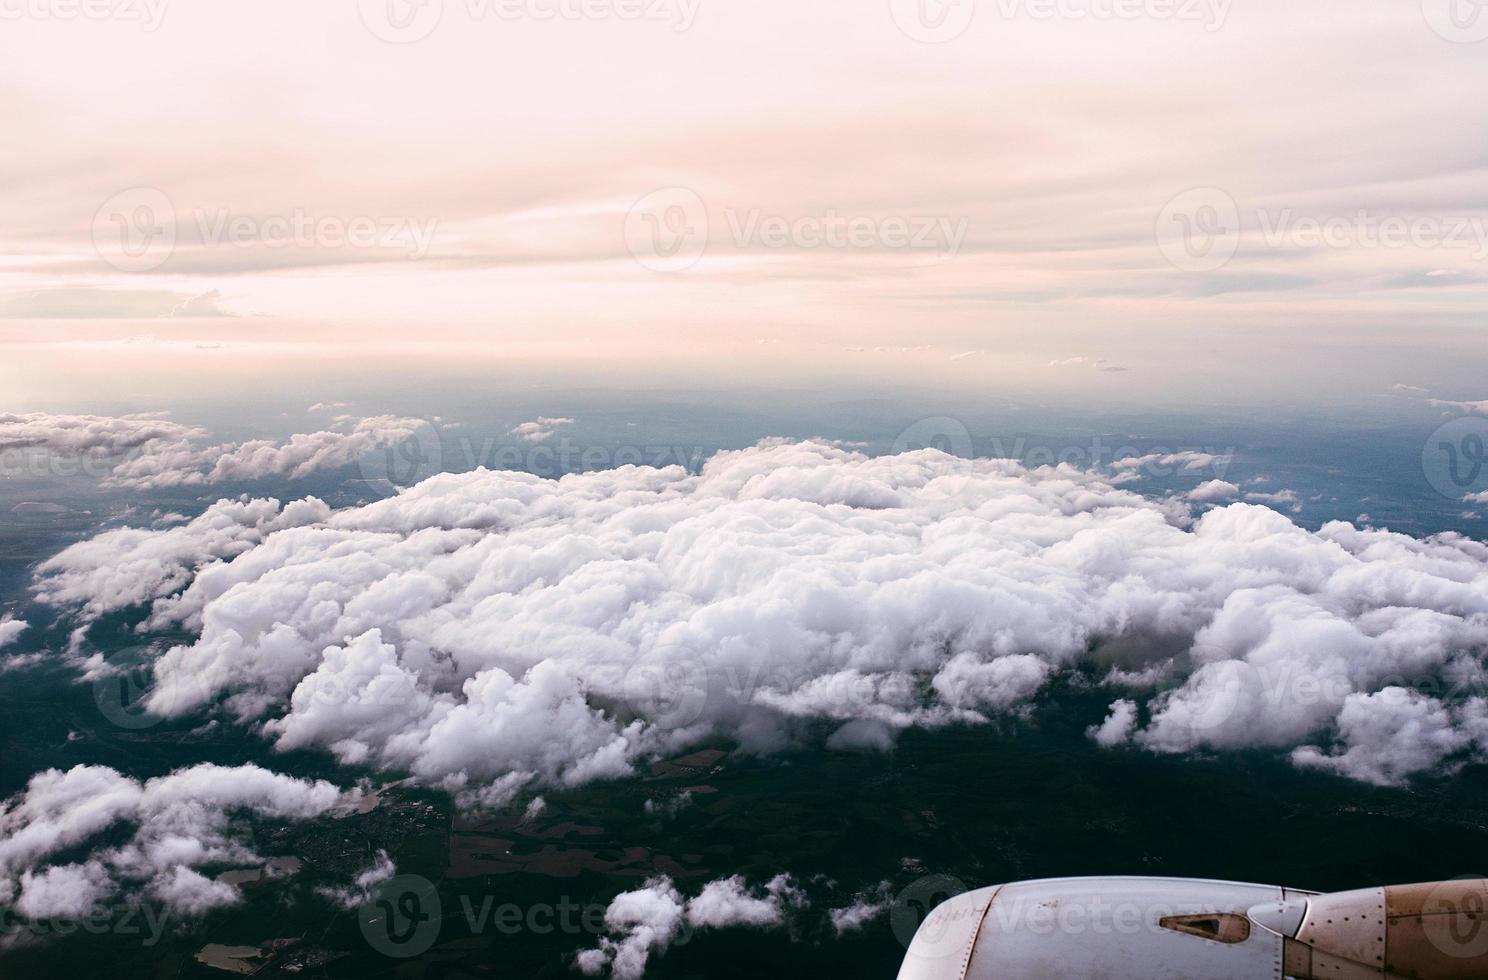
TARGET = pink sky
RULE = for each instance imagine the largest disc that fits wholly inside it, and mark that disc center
(977, 207)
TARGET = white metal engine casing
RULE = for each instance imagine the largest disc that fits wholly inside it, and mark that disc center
(1100, 929)
(1183, 929)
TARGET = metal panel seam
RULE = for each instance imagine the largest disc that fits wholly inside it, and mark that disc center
(977, 933)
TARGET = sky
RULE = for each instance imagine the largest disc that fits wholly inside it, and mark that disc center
(1139, 202)
(279, 278)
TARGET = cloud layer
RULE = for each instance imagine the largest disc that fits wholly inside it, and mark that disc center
(146, 452)
(490, 630)
(179, 822)
(649, 919)
(11, 629)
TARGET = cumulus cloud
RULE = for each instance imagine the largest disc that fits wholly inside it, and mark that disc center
(728, 902)
(157, 453)
(176, 823)
(1189, 460)
(968, 681)
(80, 435)
(181, 463)
(1479, 408)
(1213, 490)
(1477, 498)
(540, 430)
(10, 629)
(1096, 363)
(648, 920)
(207, 305)
(360, 890)
(865, 907)
(669, 807)
(130, 566)
(1393, 734)
(1281, 498)
(1118, 727)
(493, 631)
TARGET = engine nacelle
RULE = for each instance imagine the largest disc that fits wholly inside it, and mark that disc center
(1185, 929)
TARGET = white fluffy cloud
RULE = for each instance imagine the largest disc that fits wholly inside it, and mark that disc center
(1189, 460)
(79, 435)
(866, 906)
(360, 890)
(968, 681)
(1213, 490)
(541, 430)
(148, 452)
(649, 919)
(181, 463)
(179, 822)
(11, 629)
(1118, 727)
(495, 629)
(1391, 735)
(130, 566)
(1281, 498)
(1480, 407)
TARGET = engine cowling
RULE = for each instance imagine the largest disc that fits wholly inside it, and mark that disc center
(1434, 931)
(1186, 929)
